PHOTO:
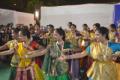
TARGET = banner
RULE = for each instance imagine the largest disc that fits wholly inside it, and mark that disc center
(117, 14)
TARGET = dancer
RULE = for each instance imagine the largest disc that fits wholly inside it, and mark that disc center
(101, 51)
(10, 45)
(73, 37)
(27, 69)
(53, 68)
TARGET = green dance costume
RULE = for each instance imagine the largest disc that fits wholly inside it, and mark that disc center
(53, 68)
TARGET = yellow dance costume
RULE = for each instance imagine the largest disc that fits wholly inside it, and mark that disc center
(112, 36)
(27, 69)
(102, 68)
(71, 38)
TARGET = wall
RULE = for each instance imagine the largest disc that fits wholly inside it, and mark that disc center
(78, 14)
(8, 16)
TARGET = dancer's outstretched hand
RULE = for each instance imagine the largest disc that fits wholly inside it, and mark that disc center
(62, 57)
(114, 57)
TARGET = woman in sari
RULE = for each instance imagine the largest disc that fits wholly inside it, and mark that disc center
(73, 37)
(92, 32)
(101, 51)
(53, 68)
(10, 45)
(26, 69)
(49, 35)
(118, 34)
(85, 41)
(112, 33)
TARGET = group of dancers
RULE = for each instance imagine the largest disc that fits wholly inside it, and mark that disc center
(64, 54)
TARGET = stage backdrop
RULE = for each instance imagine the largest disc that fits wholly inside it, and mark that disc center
(78, 14)
(117, 14)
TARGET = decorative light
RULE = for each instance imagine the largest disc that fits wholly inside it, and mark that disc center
(37, 14)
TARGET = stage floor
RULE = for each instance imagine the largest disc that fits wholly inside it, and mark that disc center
(4, 71)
